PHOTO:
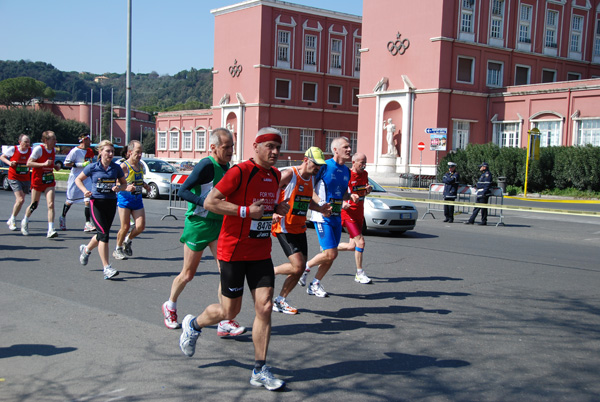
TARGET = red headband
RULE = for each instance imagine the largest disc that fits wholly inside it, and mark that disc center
(268, 137)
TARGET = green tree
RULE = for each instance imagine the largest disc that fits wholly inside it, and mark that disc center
(22, 91)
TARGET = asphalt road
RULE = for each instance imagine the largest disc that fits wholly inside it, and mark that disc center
(455, 313)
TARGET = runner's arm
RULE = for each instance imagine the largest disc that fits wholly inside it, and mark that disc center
(203, 172)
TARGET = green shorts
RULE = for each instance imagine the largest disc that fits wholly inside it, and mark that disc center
(199, 232)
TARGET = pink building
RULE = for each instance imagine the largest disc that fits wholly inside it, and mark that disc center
(294, 67)
(85, 113)
(480, 70)
(442, 72)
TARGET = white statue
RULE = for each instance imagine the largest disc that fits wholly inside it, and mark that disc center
(229, 127)
(391, 128)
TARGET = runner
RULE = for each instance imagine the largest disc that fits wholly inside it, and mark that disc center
(353, 216)
(297, 187)
(42, 181)
(19, 176)
(78, 158)
(332, 187)
(130, 201)
(104, 175)
(201, 228)
(246, 197)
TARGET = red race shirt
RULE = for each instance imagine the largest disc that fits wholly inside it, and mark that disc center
(43, 177)
(21, 171)
(357, 185)
(248, 239)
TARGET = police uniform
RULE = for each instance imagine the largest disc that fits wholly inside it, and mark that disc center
(450, 180)
(484, 190)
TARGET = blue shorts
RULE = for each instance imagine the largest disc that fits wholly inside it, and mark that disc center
(329, 233)
(130, 201)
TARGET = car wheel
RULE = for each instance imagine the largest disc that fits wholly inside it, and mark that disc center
(5, 183)
(364, 228)
(153, 192)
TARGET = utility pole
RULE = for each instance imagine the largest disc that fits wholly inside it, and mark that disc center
(127, 78)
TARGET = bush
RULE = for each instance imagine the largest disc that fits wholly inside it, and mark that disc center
(557, 168)
(15, 122)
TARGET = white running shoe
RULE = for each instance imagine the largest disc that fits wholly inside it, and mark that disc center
(282, 306)
(188, 337)
(302, 280)
(25, 227)
(110, 272)
(51, 234)
(170, 317)
(89, 227)
(62, 223)
(316, 289)
(362, 278)
(83, 255)
(118, 254)
(11, 225)
(230, 328)
(264, 378)
(127, 248)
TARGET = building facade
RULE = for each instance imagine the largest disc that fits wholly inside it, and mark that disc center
(296, 68)
(480, 70)
(141, 122)
(445, 73)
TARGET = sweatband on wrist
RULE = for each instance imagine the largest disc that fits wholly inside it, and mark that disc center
(242, 212)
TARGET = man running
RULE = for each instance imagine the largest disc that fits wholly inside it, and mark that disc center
(354, 215)
(246, 197)
(201, 228)
(129, 202)
(19, 176)
(332, 187)
(297, 187)
(78, 158)
(42, 181)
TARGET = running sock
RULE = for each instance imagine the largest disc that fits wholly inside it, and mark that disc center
(307, 269)
(279, 298)
(171, 305)
(12, 218)
(258, 365)
(66, 208)
(120, 248)
(359, 271)
(50, 226)
(88, 216)
(127, 240)
(195, 326)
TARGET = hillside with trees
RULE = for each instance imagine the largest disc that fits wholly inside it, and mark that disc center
(150, 92)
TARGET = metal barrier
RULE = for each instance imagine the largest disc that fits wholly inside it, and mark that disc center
(415, 180)
(175, 202)
(465, 194)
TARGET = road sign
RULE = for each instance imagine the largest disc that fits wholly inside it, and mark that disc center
(421, 146)
(436, 130)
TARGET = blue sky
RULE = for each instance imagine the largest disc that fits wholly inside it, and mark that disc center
(85, 35)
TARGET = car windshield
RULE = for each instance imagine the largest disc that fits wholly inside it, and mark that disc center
(159, 166)
(376, 187)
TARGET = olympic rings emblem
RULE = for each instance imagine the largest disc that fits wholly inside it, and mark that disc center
(399, 46)
(235, 70)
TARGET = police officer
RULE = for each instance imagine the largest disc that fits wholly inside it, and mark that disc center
(484, 190)
(450, 180)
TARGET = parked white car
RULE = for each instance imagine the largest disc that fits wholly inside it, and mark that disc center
(157, 174)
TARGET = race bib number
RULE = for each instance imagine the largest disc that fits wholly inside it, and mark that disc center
(21, 169)
(361, 191)
(261, 228)
(47, 177)
(138, 190)
(301, 204)
(336, 206)
(105, 185)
